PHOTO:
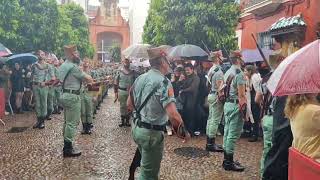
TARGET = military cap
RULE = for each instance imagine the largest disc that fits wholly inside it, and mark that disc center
(235, 55)
(155, 53)
(216, 55)
(69, 49)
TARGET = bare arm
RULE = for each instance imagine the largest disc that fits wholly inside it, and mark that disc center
(242, 94)
(173, 114)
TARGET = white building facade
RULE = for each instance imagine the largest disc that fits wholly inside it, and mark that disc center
(138, 12)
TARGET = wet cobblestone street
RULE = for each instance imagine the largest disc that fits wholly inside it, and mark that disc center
(107, 153)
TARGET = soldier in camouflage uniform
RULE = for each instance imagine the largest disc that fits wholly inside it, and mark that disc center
(72, 78)
(233, 111)
(122, 83)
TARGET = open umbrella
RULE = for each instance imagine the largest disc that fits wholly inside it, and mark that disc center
(299, 73)
(25, 58)
(188, 51)
(137, 51)
(4, 51)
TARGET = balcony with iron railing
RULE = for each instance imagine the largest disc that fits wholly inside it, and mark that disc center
(261, 7)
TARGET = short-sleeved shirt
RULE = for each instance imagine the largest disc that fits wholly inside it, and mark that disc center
(125, 80)
(40, 72)
(74, 78)
(154, 111)
(215, 74)
(237, 81)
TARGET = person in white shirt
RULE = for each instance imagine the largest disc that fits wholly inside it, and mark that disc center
(254, 99)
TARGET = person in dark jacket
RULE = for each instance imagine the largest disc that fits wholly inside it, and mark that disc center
(276, 161)
(189, 91)
(17, 80)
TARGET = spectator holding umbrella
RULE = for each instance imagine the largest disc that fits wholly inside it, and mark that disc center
(17, 80)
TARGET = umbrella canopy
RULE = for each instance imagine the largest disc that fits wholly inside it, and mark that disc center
(253, 55)
(4, 51)
(25, 58)
(299, 73)
(137, 51)
(188, 51)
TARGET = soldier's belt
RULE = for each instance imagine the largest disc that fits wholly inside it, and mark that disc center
(235, 101)
(36, 83)
(76, 92)
(150, 126)
(123, 89)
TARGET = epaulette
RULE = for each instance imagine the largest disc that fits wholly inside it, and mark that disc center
(216, 69)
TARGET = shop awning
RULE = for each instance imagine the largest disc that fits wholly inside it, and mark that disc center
(287, 25)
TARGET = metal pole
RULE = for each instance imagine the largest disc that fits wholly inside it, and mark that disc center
(102, 51)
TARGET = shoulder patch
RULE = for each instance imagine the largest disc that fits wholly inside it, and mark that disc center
(238, 71)
(170, 92)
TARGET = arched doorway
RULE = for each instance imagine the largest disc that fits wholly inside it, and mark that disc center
(105, 41)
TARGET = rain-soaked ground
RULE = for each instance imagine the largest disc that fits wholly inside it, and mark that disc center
(107, 153)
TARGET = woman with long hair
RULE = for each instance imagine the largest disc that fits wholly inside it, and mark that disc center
(303, 110)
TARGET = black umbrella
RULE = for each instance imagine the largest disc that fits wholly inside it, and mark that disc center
(189, 52)
(25, 58)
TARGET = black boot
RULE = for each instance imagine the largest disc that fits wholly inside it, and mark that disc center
(127, 121)
(37, 123)
(48, 117)
(229, 165)
(212, 146)
(41, 125)
(122, 121)
(253, 139)
(86, 128)
(69, 150)
(56, 110)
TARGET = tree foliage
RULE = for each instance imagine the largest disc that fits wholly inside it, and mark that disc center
(29, 25)
(176, 22)
(115, 52)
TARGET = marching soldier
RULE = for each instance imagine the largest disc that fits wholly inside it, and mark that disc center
(86, 105)
(41, 72)
(234, 111)
(152, 99)
(215, 79)
(71, 77)
(123, 82)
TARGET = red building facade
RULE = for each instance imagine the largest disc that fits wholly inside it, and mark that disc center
(292, 23)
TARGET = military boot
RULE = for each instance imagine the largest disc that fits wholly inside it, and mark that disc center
(229, 165)
(86, 128)
(212, 146)
(69, 150)
(37, 123)
(41, 125)
(48, 117)
(123, 119)
(127, 123)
